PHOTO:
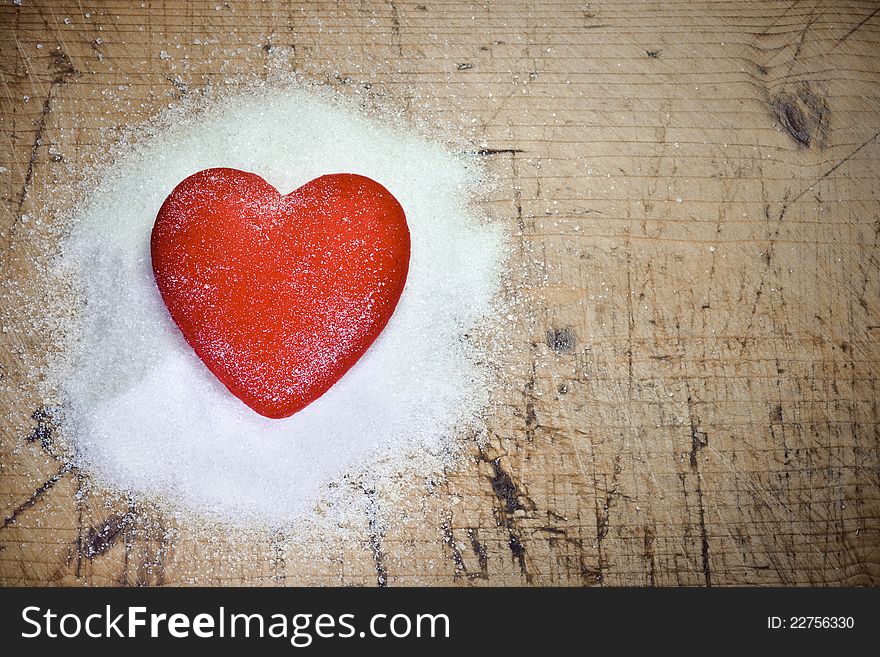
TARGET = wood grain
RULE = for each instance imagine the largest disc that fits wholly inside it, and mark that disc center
(692, 398)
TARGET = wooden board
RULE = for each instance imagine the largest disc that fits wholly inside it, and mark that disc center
(693, 396)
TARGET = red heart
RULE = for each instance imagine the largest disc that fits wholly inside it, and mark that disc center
(280, 295)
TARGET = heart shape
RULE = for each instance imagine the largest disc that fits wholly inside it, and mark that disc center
(280, 295)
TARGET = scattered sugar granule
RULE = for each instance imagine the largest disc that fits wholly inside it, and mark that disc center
(143, 414)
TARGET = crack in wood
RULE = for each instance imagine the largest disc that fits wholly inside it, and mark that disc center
(376, 535)
(699, 440)
(504, 488)
(480, 551)
(449, 539)
(512, 499)
(603, 518)
(485, 152)
(99, 538)
(457, 558)
(648, 543)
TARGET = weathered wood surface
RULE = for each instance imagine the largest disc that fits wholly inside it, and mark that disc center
(694, 394)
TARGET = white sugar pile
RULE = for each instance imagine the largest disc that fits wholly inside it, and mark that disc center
(144, 415)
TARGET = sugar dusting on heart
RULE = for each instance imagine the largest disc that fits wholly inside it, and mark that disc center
(142, 414)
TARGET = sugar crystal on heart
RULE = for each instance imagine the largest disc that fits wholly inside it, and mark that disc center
(280, 295)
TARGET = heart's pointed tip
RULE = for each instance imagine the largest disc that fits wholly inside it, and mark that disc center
(271, 407)
(276, 414)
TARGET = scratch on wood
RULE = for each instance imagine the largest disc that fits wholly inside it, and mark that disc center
(36, 495)
(827, 173)
(855, 29)
(395, 28)
(63, 68)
